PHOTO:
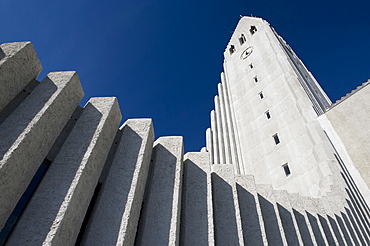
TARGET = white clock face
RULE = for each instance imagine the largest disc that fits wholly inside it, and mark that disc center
(246, 52)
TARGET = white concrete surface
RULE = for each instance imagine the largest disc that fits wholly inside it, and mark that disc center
(115, 219)
(30, 131)
(19, 65)
(56, 211)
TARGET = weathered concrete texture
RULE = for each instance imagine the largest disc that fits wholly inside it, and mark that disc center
(19, 65)
(55, 212)
(160, 219)
(30, 131)
(115, 219)
(196, 208)
(351, 121)
(227, 221)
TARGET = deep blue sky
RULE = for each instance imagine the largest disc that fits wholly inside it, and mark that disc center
(162, 59)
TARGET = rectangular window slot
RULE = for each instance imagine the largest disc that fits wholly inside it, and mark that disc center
(286, 169)
(276, 139)
(267, 113)
(261, 95)
(242, 39)
(255, 79)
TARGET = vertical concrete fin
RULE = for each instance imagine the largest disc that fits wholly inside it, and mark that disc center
(19, 65)
(250, 212)
(220, 136)
(209, 144)
(30, 131)
(115, 219)
(225, 127)
(216, 156)
(273, 226)
(160, 218)
(235, 137)
(56, 211)
(227, 222)
(233, 150)
(196, 208)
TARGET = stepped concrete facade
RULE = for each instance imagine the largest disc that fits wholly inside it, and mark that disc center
(282, 165)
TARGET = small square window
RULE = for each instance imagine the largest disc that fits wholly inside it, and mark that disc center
(253, 30)
(286, 169)
(232, 49)
(267, 113)
(255, 79)
(276, 139)
(251, 66)
(261, 95)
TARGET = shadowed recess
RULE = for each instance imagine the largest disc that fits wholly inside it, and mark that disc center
(249, 216)
(270, 221)
(224, 212)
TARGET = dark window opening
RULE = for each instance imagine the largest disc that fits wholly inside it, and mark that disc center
(22, 203)
(276, 139)
(242, 39)
(268, 116)
(261, 95)
(251, 65)
(232, 49)
(255, 79)
(253, 30)
(286, 169)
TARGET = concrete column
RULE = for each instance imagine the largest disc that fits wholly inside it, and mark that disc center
(30, 131)
(234, 127)
(233, 149)
(209, 144)
(115, 219)
(160, 217)
(227, 220)
(196, 208)
(56, 211)
(225, 127)
(19, 65)
(216, 158)
(250, 211)
(273, 226)
(220, 137)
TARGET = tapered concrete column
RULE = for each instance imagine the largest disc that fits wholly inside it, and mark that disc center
(30, 131)
(216, 158)
(220, 137)
(225, 127)
(160, 219)
(56, 211)
(209, 144)
(231, 134)
(19, 65)
(115, 219)
(196, 209)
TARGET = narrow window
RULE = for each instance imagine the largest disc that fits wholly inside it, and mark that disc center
(255, 79)
(232, 49)
(267, 113)
(251, 66)
(242, 39)
(286, 169)
(261, 95)
(276, 139)
(253, 30)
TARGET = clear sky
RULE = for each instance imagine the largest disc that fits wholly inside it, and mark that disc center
(163, 58)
